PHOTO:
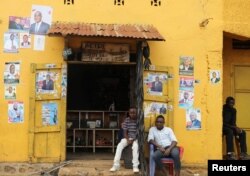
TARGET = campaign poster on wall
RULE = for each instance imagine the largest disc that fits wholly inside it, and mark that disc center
(15, 112)
(12, 73)
(49, 114)
(193, 119)
(10, 92)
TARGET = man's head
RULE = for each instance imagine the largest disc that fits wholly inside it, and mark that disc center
(48, 77)
(186, 95)
(214, 74)
(230, 101)
(10, 89)
(17, 20)
(187, 61)
(38, 16)
(25, 38)
(15, 106)
(12, 36)
(12, 69)
(132, 113)
(157, 79)
(193, 116)
(159, 122)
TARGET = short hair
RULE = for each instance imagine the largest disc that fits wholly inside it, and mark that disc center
(160, 117)
(228, 99)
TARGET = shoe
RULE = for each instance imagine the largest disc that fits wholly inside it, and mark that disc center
(231, 156)
(114, 168)
(244, 156)
(135, 169)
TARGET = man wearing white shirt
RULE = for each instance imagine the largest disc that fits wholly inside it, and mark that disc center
(165, 142)
(39, 27)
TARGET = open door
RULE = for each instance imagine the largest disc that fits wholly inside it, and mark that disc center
(47, 113)
(158, 95)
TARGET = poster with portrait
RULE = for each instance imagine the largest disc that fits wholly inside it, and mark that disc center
(19, 24)
(15, 112)
(25, 40)
(186, 83)
(45, 82)
(11, 42)
(49, 114)
(41, 18)
(186, 66)
(186, 98)
(214, 76)
(193, 119)
(155, 86)
(152, 109)
(10, 92)
(12, 73)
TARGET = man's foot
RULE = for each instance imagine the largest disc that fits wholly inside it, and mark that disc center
(114, 168)
(244, 156)
(135, 170)
(231, 156)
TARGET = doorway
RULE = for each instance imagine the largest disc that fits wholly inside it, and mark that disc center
(98, 98)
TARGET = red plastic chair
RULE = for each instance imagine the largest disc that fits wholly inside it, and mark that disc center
(167, 160)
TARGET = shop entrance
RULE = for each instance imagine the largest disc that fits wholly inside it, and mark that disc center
(98, 98)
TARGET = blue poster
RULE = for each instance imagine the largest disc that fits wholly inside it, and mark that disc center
(49, 114)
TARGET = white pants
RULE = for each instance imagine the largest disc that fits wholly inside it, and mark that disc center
(119, 149)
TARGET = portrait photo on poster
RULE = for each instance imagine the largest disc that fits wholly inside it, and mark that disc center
(186, 65)
(186, 83)
(155, 108)
(11, 42)
(215, 76)
(25, 40)
(41, 18)
(45, 81)
(10, 92)
(19, 24)
(12, 73)
(186, 98)
(15, 112)
(193, 119)
(155, 83)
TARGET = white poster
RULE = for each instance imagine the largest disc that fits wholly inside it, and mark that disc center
(15, 112)
(193, 119)
(39, 42)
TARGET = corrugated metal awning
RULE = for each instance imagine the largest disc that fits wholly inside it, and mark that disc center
(135, 31)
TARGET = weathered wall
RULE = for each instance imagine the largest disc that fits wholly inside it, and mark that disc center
(177, 21)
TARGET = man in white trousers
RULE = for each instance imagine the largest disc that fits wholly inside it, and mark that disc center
(130, 137)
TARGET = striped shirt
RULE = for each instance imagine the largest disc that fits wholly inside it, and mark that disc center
(131, 127)
(162, 137)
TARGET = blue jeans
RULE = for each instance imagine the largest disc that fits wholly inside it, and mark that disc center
(175, 154)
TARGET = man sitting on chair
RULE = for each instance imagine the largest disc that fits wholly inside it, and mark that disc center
(165, 142)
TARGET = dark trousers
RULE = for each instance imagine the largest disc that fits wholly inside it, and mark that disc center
(175, 154)
(230, 133)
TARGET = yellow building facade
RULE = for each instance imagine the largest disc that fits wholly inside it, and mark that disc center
(201, 29)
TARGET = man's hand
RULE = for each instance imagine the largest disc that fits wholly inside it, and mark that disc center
(130, 141)
(167, 152)
(238, 130)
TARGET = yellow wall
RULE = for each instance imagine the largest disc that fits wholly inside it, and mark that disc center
(177, 21)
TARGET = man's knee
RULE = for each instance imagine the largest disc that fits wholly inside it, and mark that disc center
(175, 152)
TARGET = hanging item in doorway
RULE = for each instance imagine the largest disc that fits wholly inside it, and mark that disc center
(15, 112)
(10, 92)
(12, 73)
(105, 52)
(186, 66)
(214, 76)
(49, 114)
(193, 119)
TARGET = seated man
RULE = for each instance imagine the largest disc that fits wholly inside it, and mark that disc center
(230, 130)
(164, 140)
(130, 130)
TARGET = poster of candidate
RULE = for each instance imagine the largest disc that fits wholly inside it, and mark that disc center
(10, 92)
(45, 82)
(186, 66)
(15, 112)
(12, 73)
(186, 83)
(49, 114)
(186, 98)
(193, 119)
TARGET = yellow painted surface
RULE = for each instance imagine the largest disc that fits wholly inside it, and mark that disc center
(178, 21)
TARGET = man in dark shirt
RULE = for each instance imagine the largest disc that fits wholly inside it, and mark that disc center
(230, 130)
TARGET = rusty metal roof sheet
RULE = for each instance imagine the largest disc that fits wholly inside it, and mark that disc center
(134, 31)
